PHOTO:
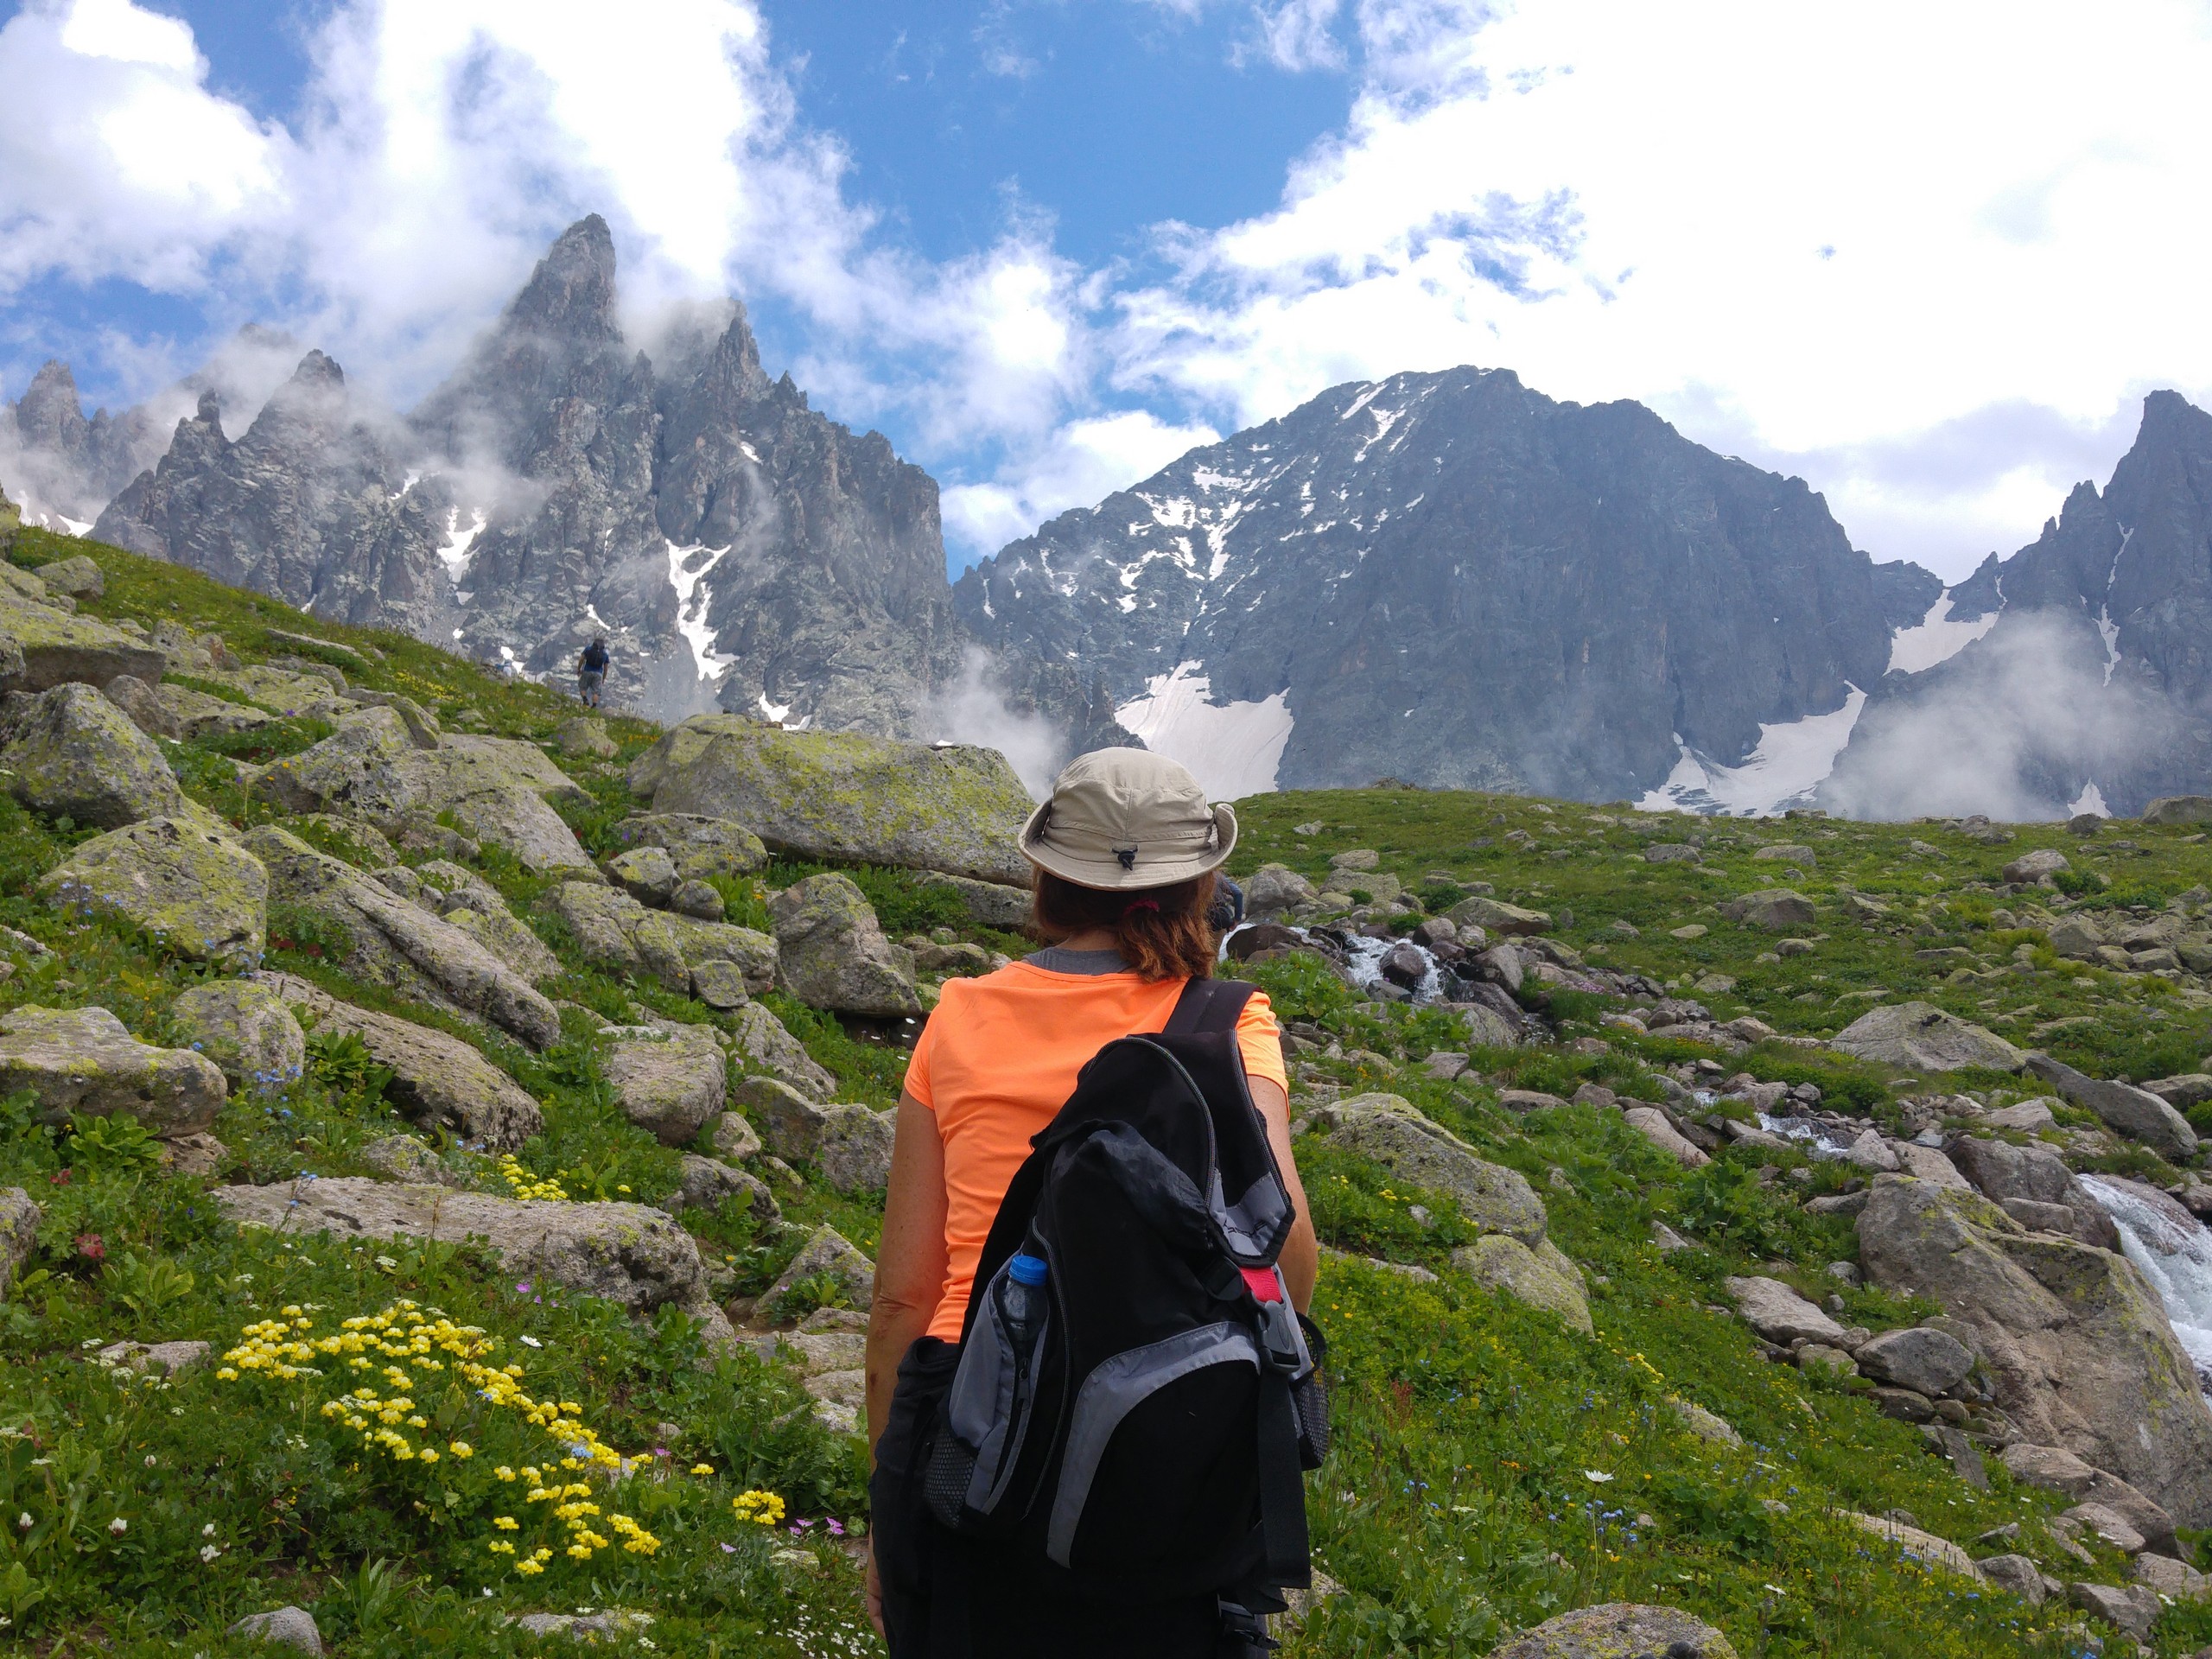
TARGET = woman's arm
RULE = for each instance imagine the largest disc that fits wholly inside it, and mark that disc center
(1300, 1260)
(910, 1264)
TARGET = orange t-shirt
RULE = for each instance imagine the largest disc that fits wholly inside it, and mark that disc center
(997, 1061)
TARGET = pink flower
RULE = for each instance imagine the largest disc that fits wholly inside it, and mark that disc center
(91, 1247)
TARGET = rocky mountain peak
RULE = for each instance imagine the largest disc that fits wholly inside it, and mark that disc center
(50, 415)
(570, 293)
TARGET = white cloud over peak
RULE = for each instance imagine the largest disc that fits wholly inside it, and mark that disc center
(1080, 464)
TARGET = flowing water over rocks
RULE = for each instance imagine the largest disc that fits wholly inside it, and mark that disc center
(2173, 1250)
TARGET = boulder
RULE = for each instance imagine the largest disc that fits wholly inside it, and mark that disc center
(1388, 1129)
(2057, 1470)
(1871, 1151)
(1655, 1127)
(2136, 1113)
(646, 873)
(1927, 1362)
(83, 1063)
(19, 1223)
(2031, 867)
(846, 796)
(2018, 1573)
(581, 737)
(764, 1044)
(2037, 1175)
(1773, 908)
(1926, 1164)
(733, 1137)
(1784, 852)
(247, 1029)
(1780, 1314)
(497, 789)
(1486, 1026)
(470, 903)
(76, 575)
(287, 1627)
(1493, 916)
(2179, 808)
(991, 904)
(831, 954)
(616, 933)
(631, 1254)
(2169, 1577)
(1912, 1542)
(2183, 1090)
(709, 1184)
(43, 646)
(200, 895)
(437, 1079)
(2134, 1608)
(1708, 1426)
(851, 1144)
(1543, 1277)
(70, 753)
(669, 1083)
(1274, 888)
(403, 1158)
(1923, 1037)
(826, 1254)
(2029, 1117)
(163, 1358)
(2074, 1342)
(702, 900)
(1619, 1630)
(400, 946)
(702, 847)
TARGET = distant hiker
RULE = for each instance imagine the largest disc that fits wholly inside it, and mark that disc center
(591, 670)
(1090, 1386)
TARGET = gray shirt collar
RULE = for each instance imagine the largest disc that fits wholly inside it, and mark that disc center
(1055, 960)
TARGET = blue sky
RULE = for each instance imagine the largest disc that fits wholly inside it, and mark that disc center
(1046, 244)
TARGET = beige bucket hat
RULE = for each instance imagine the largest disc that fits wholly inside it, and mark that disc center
(1127, 819)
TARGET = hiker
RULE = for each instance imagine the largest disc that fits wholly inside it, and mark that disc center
(974, 1551)
(591, 670)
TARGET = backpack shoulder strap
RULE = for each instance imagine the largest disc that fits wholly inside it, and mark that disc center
(1208, 1005)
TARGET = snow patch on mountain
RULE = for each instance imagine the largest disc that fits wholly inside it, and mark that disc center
(1233, 749)
(693, 597)
(1791, 759)
(1935, 638)
(459, 544)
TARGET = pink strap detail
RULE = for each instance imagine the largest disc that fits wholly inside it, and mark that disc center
(1265, 1283)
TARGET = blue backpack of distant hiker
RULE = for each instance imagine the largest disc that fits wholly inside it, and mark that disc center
(1136, 1398)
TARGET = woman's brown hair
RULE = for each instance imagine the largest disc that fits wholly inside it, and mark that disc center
(1161, 933)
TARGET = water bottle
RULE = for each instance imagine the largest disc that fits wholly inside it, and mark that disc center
(1023, 1302)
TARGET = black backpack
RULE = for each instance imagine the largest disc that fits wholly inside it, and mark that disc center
(1153, 1447)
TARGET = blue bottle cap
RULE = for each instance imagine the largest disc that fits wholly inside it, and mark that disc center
(1027, 1269)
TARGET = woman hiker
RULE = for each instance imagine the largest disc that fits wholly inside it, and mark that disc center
(1124, 854)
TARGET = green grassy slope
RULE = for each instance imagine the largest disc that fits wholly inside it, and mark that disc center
(1491, 1467)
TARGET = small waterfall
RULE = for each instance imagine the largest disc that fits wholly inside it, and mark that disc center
(1364, 966)
(2173, 1250)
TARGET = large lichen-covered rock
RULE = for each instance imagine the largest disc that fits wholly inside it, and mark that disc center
(70, 753)
(247, 1029)
(41, 646)
(852, 1144)
(843, 795)
(827, 1257)
(711, 1185)
(701, 847)
(988, 904)
(631, 1254)
(764, 1044)
(400, 946)
(832, 954)
(1543, 1277)
(199, 894)
(668, 1083)
(1771, 908)
(1388, 1129)
(84, 1063)
(178, 711)
(76, 575)
(1619, 1630)
(1922, 1037)
(2006, 1173)
(1493, 916)
(2136, 1113)
(466, 899)
(374, 766)
(437, 1078)
(615, 932)
(2075, 1341)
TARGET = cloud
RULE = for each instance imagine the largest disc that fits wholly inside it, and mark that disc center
(1296, 35)
(1082, 462)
